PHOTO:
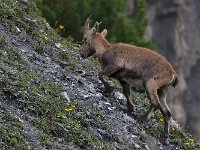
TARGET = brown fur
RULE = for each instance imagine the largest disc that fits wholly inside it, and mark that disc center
(132, 66)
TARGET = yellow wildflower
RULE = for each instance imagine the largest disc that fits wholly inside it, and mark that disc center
(70, 108)
(161, 119)
(173, 129)
(72, 105)
(20, 120)
(190, 142)
(61, 27)
(29, 147)
(46, 38)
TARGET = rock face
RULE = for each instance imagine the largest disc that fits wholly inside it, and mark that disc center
(174, 28)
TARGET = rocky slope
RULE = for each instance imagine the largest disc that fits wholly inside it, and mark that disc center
(52, 99)
(174, 27)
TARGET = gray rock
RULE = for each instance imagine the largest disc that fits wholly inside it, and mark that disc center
(128, 118)
(96, 133)
(48, 26)
(99, 95)
(119, 95)
(65, 95)
(103, 134)
(137, 146)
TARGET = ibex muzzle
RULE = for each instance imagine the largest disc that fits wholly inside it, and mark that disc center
(132, 66)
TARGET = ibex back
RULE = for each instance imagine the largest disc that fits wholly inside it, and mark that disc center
(132, 66)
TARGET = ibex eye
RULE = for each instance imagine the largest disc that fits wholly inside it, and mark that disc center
(83, 41)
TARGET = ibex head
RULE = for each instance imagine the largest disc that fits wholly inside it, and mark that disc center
(89, 39)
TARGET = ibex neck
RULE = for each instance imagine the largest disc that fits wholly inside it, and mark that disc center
(101, 47)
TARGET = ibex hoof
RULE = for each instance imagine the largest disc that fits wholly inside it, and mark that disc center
(130, 111)
(131, 114)
(142, 119)
(164, 140)
(109, 89)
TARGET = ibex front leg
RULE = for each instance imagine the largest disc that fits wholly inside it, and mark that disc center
(108, 71)
(126, 92)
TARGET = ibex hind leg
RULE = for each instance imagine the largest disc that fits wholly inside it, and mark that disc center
(162, 92)
(149, 113)
(164, 85)
(151, 90)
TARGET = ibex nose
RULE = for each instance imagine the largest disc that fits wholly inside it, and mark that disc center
(83, 56)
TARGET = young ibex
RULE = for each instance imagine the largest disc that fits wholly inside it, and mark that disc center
(132, 66)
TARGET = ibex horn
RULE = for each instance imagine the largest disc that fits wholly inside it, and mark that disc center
(87, 25)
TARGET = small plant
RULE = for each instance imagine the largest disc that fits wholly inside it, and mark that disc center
(65, 56)
(39, 50)
(43, 99)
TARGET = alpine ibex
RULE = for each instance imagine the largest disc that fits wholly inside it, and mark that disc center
(132, 66)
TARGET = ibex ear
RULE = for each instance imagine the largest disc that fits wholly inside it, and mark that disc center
(104, 32)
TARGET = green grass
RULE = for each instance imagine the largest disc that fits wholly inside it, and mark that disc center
(31, 93)
(11, 132)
